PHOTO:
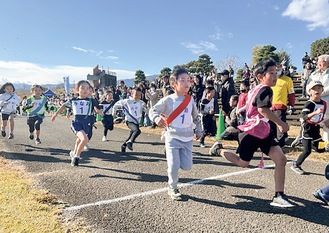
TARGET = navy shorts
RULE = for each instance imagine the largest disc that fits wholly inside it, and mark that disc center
(82, 125)
(249, 144)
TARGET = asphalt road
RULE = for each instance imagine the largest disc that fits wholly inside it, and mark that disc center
(127, 193)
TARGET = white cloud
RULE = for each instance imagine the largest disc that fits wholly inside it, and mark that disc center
(25, 72)
(289, 45)
(216, 36)
(315, 12)
(200, 48)
(96, 53)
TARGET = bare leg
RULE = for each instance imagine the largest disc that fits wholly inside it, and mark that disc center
(234, 158)
(280, 161)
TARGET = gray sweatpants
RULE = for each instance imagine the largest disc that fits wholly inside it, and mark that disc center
(179, 155)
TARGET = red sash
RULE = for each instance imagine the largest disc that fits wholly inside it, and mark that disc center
(178, 110)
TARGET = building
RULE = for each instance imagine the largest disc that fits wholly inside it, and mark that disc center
(102, 78)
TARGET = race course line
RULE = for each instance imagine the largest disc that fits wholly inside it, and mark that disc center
(152, 192)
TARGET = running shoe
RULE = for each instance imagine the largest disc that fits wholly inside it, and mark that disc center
(281, 201)
(3, 133)
(130, 145)
(318, 194)
(175, 194)
(37, 141)
(11, 136)
(31, 136)
(104, 139)
(86, 148)
(215, 149)
(297, 169)
(75, 161)
(123, 149)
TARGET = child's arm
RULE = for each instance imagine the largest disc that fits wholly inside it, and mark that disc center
(97, 110)
(197, 121)
(156, 113)
(267, 113)
(60, 110)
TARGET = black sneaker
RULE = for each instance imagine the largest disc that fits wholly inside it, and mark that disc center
(75, 161)
(130, 145)
(3, 133)
(297, 169)
(11, 136)
(31, 136)
(215, 149)
(37, 141)
(123, 149)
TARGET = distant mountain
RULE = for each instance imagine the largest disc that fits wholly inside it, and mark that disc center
(27, 87)
(130, 82)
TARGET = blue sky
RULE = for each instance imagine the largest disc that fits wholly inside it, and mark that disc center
(43, 41)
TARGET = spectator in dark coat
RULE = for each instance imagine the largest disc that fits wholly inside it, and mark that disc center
(197, 89)
(227, 90)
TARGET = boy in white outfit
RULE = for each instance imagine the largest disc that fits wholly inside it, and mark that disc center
(177, 113)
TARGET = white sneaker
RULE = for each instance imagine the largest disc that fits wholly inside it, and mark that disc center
(281, 201)
(71, 153)
(175, 194)
(86, 148)
(104, 139)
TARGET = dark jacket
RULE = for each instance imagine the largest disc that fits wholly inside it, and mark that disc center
(227, 90)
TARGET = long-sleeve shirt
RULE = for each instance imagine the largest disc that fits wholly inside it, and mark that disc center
(182, 127)
(9, 102)
(134, 108)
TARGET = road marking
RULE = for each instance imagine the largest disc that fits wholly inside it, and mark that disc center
(152, 192)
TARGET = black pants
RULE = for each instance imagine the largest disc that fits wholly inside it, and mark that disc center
(208, 127)
(34, 122)
(107, 122)
(307, 144)
(134, 131)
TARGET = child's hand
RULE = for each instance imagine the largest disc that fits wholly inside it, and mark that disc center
(211, 111)
(160, 121)
(319, 110)
(5, 103)
(53, 118)
(284, 127)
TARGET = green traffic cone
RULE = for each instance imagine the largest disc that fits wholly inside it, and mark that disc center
(220, 125)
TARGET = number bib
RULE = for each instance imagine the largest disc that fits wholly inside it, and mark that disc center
(184, 119)
(135, 109)
(81, 107)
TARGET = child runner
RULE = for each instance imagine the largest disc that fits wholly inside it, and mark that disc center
(9, 101)
(133, 108)
(82, 108)
(35, 106)
(107, 120)
(177, 113)
(256, 131)
(313, 114)
(208, 114)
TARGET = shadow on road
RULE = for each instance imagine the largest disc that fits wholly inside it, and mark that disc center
(305, 209)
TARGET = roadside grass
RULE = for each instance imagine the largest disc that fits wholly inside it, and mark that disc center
(27, 209)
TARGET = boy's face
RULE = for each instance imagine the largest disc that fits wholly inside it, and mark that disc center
(211, 94)
(37, 91)
(316, 91)
(109, 96)
(183, 83)
(270, 77)
(136, 95)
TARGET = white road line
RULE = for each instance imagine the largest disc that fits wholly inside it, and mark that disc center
(152, 192)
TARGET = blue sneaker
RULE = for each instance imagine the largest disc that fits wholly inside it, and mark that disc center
(326, 173)
(318, 194)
